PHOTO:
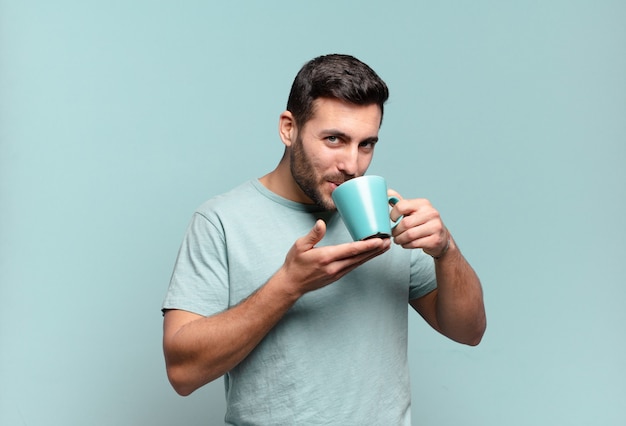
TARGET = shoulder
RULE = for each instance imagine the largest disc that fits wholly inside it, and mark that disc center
(232, 204)
(237, 195)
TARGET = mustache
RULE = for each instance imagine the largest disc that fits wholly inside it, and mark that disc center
(339, 179)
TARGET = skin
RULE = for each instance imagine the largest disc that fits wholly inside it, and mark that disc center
(335, 145)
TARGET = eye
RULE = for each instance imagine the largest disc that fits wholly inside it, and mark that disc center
(333, 140)
(367, 145)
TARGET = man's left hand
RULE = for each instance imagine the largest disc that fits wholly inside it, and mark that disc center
(420, 227)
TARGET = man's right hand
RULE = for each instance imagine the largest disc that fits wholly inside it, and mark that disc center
(309, 268)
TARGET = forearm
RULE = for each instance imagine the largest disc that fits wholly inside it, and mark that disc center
(459, 306)
(204, 349)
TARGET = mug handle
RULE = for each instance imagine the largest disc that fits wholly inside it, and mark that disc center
(392, 202)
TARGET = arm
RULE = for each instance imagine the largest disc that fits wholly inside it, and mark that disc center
(456, 308)
(200, 349)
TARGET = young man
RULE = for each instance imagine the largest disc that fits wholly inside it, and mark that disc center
(268, 290)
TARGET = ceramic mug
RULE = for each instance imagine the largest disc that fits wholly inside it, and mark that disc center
(363, 205)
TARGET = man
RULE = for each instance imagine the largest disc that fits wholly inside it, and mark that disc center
(268, 291)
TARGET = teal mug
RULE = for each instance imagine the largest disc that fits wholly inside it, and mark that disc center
(363, 205)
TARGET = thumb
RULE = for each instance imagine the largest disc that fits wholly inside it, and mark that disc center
(315, 235)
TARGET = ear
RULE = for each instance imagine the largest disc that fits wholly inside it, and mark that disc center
(287, 128)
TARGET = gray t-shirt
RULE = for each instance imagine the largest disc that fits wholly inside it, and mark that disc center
(339, 355)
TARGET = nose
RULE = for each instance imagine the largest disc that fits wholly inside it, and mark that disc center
(349, 161)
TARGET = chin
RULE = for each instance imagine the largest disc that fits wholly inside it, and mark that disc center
(326, 203)
(330, 206)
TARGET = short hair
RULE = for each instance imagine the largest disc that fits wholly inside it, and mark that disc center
(342, 77)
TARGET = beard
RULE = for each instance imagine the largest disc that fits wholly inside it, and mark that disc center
(304, 175)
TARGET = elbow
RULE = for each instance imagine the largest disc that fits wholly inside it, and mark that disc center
(182, 377)
(470, 335)
(180, 372)
(474, 338)
(180, 385)
(469, 331)
(182, 390)
(185, 380)
(475, 341)
(176, 374)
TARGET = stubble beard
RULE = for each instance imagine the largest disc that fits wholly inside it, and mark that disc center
(304, 175)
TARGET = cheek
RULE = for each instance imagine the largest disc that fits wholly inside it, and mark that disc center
(364, 163)
(321, 162)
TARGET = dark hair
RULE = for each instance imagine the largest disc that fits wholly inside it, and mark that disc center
(335, 76)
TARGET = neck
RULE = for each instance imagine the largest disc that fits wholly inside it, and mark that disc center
(280, 181)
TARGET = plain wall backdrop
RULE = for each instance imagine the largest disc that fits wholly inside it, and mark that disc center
(118, 118)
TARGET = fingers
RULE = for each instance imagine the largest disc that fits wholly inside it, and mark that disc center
(351, 252)
(357, 250)
(421, 226)
(393, 193)
(394, 198)
(348, 257)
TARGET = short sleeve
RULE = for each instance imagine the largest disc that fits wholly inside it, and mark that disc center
(423, 278)
(199, 282)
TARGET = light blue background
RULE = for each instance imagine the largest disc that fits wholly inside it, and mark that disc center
(118, 118)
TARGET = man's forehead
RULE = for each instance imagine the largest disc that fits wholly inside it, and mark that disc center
(338, 106)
